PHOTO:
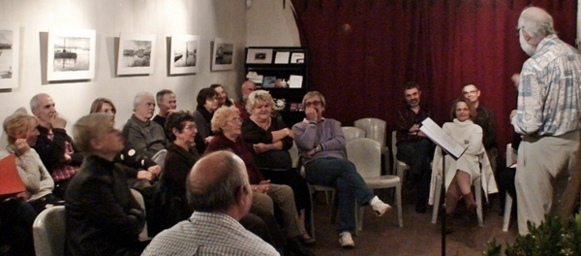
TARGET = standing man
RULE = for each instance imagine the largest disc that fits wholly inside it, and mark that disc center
(247, 88)
(413, 147)
(220, 194)
(166, 102)
(54, 146)
(486, 120)
(549, 118)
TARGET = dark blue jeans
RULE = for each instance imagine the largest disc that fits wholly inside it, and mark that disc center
(341, 174)
(418, 156)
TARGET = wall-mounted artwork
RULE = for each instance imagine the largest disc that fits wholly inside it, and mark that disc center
(184, 54)
(136, 54)
(9, 55)
(71, 54)
(222, 55)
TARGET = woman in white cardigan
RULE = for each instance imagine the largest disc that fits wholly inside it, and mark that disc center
(461, 173)
(22, 133)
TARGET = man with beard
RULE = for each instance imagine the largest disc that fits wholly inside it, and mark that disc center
(548, 117)
(246, 89)
(413, 147)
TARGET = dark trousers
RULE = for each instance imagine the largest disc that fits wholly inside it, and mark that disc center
(16, 218)
(418, 155)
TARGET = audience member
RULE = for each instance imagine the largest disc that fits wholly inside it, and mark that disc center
(413, 147)
(54, 146)
(321, 142)
(486, 120)
(16, 219)
(227, 125)
(166, 101)
(219, 192)
(270, 139)
(102, 217)
(146, 137)
(207, 104)
(221, 95)
(246, 89)
(22, 134)
(548, 116)
(460, 173)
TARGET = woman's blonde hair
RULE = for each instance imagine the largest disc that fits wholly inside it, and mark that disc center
(256, 96)
(91, 127)
(18, 124)
(221, 117)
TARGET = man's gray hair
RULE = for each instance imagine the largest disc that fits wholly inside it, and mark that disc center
(35, 101)
(536, 22)
(139, 96)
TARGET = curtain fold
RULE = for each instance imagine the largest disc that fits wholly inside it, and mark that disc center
(363, 52)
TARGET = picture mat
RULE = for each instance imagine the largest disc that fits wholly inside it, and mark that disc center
(182, 43)
(259, 56)
(9, 55)
(136, 54)
(222, 55)
(281, 58)
(71, 54)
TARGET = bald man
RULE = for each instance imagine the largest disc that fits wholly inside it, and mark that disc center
(220, 194)
(548, 118)
(246, 89)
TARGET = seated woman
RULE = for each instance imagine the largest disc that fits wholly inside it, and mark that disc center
(221, 96)
(227, 124)
(102, 216)
(170, 203)
(207, 104)
(22, 133)
(472, 164)
(270, 139)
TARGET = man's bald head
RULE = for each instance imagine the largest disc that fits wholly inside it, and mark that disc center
(215, 180)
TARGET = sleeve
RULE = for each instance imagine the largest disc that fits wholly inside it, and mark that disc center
(475, 145)
(136, 140)
(305, 135)
(51, 152)
(528, 118)
(337, 140)
(29, 171)
(287, 142)
(253, 134)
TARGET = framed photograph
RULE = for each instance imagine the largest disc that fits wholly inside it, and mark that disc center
(281, 58)
(269, 82)
(222, 55)
(184, 54)
(9, 55)
(297, 57)
(259, 56)
(136, 54)
(71, 54)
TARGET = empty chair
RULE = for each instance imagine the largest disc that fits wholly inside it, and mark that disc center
(351, 133)
(375, 129)
(366, 155)
(48, 231)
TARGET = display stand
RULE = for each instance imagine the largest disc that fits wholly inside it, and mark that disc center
(448, 146)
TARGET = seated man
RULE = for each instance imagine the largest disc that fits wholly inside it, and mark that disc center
(146, 137)
(246, 89)
(166, 101)
(220, 194)
(102, 217)
(321, 143)
(54, 146)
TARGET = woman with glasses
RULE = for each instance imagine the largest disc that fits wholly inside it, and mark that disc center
(207, 104)
(269, 139)
(227, 126)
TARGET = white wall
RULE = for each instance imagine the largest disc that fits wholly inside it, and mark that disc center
(269, 23)
(206, 18)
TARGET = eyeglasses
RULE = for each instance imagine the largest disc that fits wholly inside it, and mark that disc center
(191, 127)
(235, 120)
(315, 103)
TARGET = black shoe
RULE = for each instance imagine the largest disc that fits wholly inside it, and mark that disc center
(421, 206)
(296, 248)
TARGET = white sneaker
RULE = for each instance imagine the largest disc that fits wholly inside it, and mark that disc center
(379, 207)
(346, 240)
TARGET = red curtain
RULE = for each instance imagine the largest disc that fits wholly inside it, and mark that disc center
(362, 52)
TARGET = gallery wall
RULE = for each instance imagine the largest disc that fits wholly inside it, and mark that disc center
(207, 18)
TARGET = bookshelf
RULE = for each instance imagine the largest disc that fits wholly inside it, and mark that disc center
(282, 71)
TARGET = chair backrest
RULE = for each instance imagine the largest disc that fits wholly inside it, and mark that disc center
(394, 148)
(510, 155)
(49, 232)
(143, 236)
(374, 129)
(294, 154)
(351, 133)
(365, 153)
(3, 139)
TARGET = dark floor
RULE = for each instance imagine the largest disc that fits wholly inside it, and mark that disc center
(418, 236)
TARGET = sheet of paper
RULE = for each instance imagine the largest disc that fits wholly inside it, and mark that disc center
(295, 81)
(281, 57)
(254, 77)
(441, 138)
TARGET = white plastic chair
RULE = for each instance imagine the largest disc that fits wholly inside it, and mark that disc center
(294, 154)
(48, 232)
(351, 133)
(329, 191)
(139, 198)
(399, 167)
(375, 129)
(366, 155)
(477, 184)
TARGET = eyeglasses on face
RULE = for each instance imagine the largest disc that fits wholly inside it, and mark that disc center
(315, 103)
(235, 120)
(191, 127)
